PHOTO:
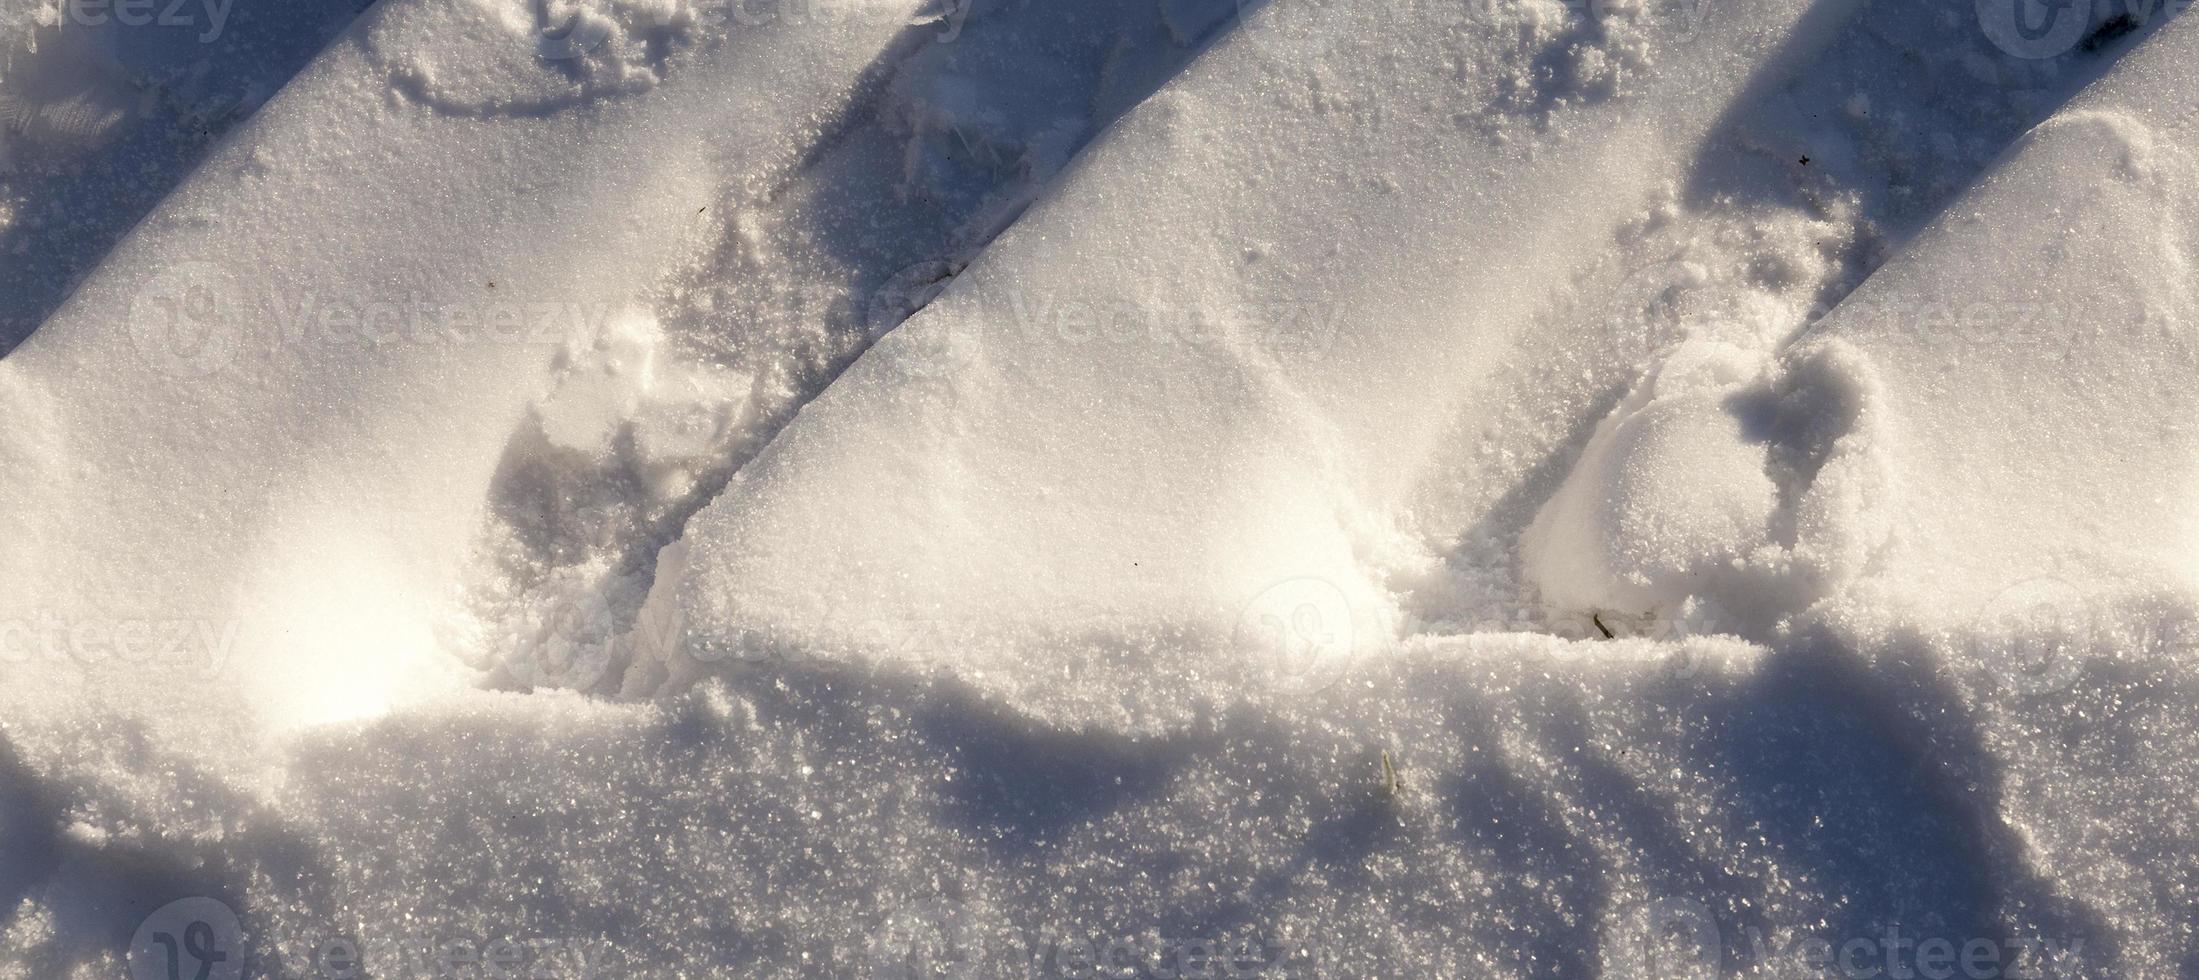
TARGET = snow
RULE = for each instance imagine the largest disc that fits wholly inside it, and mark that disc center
(266, 340)
(1669, 495)
(1003, 488)
(1181, 421)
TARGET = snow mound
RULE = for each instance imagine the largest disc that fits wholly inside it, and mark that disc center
(1726, 490)
(1668, 493)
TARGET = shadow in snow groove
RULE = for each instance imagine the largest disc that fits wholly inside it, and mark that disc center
(1832, 129)
(99, 122)
(951, 133)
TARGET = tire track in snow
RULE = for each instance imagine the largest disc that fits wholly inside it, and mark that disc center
(956, 128)
(1787, 209)
(99, 120)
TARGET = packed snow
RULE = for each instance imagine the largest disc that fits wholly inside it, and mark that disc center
(1127, 488)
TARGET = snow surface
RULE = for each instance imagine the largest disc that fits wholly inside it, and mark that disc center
(1030, 488)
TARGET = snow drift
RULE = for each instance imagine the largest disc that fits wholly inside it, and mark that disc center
(1019, 489)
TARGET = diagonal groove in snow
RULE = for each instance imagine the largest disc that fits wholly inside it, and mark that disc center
(1772, 175)
(950, 133)
(2085, 66)
(100, 125)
